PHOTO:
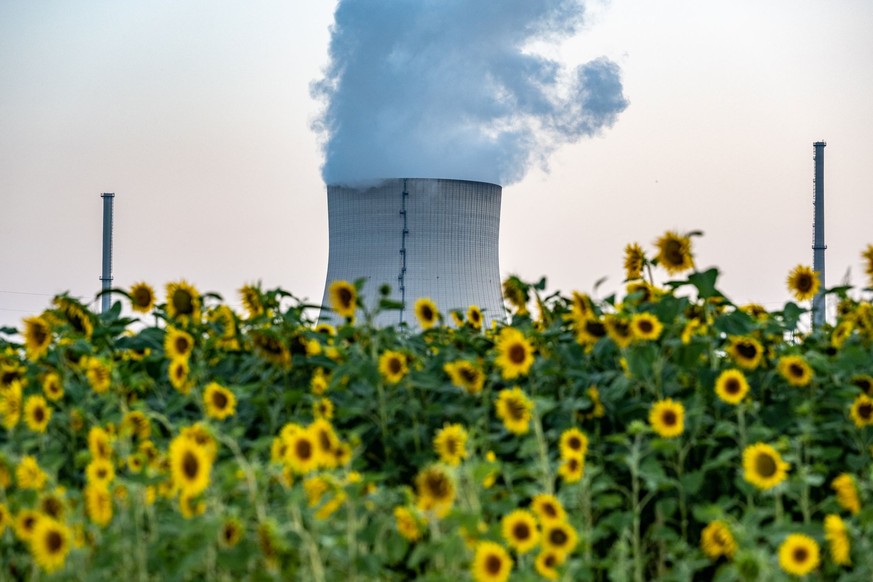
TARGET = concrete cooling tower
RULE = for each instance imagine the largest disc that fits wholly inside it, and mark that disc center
(423, 237)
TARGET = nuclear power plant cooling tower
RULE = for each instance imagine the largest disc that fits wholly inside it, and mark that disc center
(423, 237)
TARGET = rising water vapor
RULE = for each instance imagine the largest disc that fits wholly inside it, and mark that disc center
(446, 88)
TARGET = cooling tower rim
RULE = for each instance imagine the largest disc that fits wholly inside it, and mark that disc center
(378, 182)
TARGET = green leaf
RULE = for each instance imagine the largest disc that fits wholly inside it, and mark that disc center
(705, 282)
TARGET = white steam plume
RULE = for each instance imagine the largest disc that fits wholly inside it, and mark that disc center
(445, 89)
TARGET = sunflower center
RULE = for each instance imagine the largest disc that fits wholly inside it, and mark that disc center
(800, 555)
(595, 328)
(468, 374)
(645, 326)
(303, 449)
(52, 507)
(574, 443)
(182, 344)
(673, 252)
(732, 386)
(765, 465)
(179, 372)
(521, 531)
(550, 561)
(804, 283)
(426, 313)
(39, 414)
(493, 565)
(394, 365)
(54, 541)
(219, 399)
(437, 485)
(515, 409)
(40, 335)
(475, 316)
(190, 465)
(621, 328)
(796, 370)
(345, 297)
(142, 297)
(669, 418)
(558, 537)
(865, 411)
(183, 302)
(517, 353)
(550, 510)
(747, 350)
(451, 445)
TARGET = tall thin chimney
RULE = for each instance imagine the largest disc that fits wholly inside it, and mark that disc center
(106, 277)
(818, 235)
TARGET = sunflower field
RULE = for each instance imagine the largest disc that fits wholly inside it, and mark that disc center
(657, 433)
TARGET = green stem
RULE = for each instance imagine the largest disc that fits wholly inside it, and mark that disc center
(637, 510)
(542, 448)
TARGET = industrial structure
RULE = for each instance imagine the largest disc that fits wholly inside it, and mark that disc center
(432, 238)
(818, 235)
(106, 276)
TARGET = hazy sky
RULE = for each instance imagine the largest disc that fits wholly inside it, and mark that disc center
(198, 115)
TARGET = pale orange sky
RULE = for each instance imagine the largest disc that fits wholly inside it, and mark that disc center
(197, 115)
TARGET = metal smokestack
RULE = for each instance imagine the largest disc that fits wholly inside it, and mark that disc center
(425, 237)
(106, 277)
(818, 235)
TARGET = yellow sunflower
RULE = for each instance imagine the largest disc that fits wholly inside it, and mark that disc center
(52, 386)
(50, 544)
(547, 562)
(763, 467)
(547, 508)
(177, 371)
(597, 410)
(75, 314)
(426, 312)
(674, 252)
(716, 540)
(142, 297)
(37, 413)
(619, 329)
(99, 443)
(646, 327)
(252, 300)
(798, 554)
(491, 563)
(98, 504)
(572, 469)
(302, 451)
(190, 465)
(465, 376)
(407, 523)
(219, 401)
(514, 409)
(667, 418)
(343, 298)
(136, 423)
(100, 472)
(862, 411)
(29, 475)
(516, 293)
(746, 351)
(519, 529)
(393, 366)
(10, 404)
(560, 537)
(847, 493)
(841, 333)
(634, 259)
(37, 337)
(183, 302)
(795, 370)
(99, 375)
(230, 533)
(25, 523)
(52, 504)
(323, 408)
(731, 386)
(326, 440)
(573, 443)
(450, 444)
(803, 283)
(867, 256)
(474, 317)
(514, 353)
(178, 343)
(271, 348)
(837, 536)
(435, 490)
(589, 330)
